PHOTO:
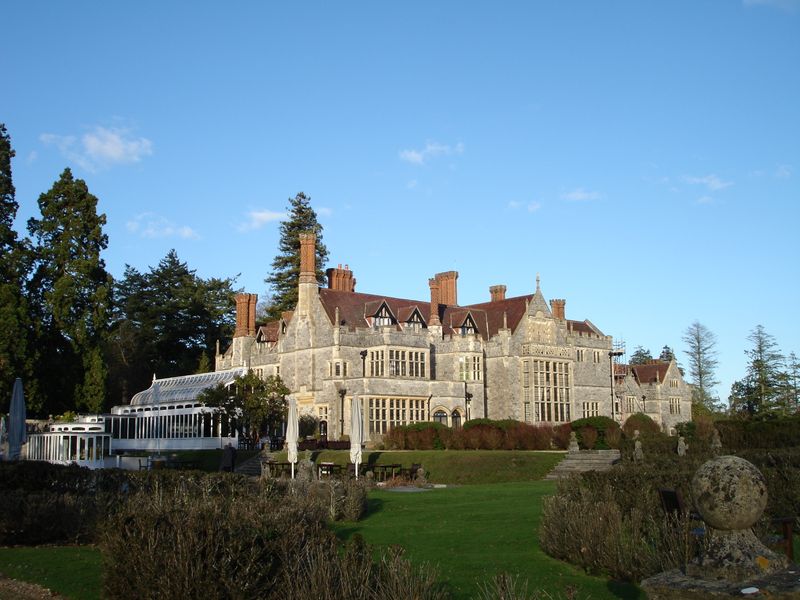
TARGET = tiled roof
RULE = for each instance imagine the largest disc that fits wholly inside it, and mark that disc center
(268, 332)
(653, 372)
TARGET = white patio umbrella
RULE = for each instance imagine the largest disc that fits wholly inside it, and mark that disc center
(292, 428)
(356, 432)
(16, 422)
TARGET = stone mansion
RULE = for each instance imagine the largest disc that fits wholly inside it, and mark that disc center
(410, 360)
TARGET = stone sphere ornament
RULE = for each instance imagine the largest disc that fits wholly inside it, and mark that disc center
(730, 493)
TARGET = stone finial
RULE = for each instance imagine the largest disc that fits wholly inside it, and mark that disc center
(682, 447)
(730, 494)
(716, 443)
(573, 442)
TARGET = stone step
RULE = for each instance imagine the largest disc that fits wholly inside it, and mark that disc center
(250, 467)
(585, 460)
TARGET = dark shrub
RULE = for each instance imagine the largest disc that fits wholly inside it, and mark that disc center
(588, 436)
(640, 422)
(561, 435)
(599, 424)
(307, 426)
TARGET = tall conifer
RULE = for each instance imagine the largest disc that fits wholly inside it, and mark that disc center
(285, 275)
(71, 291)
(14, 320)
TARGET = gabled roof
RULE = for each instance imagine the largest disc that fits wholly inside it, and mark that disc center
(652, 372)
(268, 332)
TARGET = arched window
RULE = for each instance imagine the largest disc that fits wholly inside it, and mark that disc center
(440, 417)
(455, 419)
(323, 429)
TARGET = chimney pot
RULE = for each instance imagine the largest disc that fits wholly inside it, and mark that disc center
(497, 293)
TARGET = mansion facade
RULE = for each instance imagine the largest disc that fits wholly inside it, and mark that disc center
(408, 361)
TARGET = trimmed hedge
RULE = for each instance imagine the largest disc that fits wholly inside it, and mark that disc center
(477, 434)
(597, 432)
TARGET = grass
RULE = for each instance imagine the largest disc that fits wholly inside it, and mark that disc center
(72, 571)
(460, 466)
(472, 533)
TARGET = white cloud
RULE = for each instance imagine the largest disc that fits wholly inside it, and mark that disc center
(581, 195)
(705, 200)
(712, 182)
(324, 211)
(151, 225)
(100, 148)
(534, 206)
(412, 184)
(514, 204)
(32, 157)
(256, 219)
(431, 150)
(784, 171)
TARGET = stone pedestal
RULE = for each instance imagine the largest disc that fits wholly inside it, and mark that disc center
(676, 585)
(730, 494)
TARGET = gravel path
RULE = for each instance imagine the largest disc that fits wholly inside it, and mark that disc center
(11, 589)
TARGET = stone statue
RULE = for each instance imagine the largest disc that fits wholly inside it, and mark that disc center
(573, 442)
(682, 447)
(638, 453)
(716, 443)
(305, 470)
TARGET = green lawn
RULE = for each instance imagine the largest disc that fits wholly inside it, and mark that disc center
(472, 533)
(459, 466)
(72, 571)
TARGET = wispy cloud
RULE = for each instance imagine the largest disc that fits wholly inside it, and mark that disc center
(256, 219)
(411, 184)
(151, 225)
(784, 171)
(530, 206)
(581, 195)
(712, 182)
(100, 148)
(431, 150)
(787, 5)
(325, 211)
(705, 200)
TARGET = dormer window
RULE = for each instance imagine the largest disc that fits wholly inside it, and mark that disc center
(415, 322)
(468, 327)
(383, 317)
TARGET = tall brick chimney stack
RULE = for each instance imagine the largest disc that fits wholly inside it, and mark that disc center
(245, 315)
(341, 279)
(433, 283)
(497, 293)
(448, 292)
(557, 307)
(308, 259)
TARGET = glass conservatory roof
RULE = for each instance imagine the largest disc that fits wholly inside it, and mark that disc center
(185, 388)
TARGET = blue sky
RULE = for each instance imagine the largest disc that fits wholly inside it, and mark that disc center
(643, 157)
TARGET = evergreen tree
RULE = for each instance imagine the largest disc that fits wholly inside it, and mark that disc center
(759, 392)
(667, 354)
(285, 275)
(164, 322)
(14, 321)
(701, 349)
(70, 291)
(640, 356)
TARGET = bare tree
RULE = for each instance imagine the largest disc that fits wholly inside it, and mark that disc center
(701, 349)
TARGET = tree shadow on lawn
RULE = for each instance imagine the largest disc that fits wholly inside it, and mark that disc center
(625, 590)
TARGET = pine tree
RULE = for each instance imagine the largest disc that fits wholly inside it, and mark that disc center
(702, 352)
(760, 391)
(285, 275)
(640, 356)
(15, 360)
(70, 291)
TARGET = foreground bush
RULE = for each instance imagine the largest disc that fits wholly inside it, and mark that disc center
(612, 522)
(41, 503)
(174, 545)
